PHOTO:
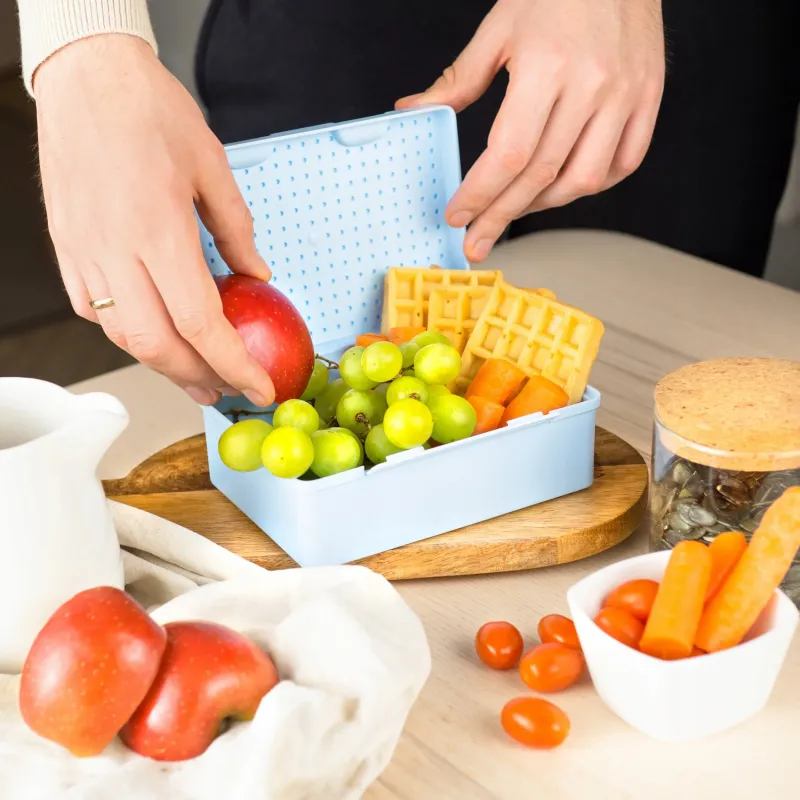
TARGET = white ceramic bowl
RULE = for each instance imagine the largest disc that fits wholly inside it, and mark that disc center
(679, 700)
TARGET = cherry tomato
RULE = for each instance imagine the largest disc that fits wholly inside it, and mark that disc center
(621, 625)
(534, 722)
(551, 667)
(555, 628)
(635, 596)
(499, 645)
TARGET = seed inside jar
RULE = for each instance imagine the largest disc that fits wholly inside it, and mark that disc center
(693, 501)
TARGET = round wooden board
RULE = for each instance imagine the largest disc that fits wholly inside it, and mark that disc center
(175, 484)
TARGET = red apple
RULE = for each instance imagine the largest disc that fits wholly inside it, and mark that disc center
(272, 329)
(89, 668)
(209, 674)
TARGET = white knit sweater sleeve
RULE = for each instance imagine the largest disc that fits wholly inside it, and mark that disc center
(48, 25)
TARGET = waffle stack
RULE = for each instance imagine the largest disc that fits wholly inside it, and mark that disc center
(446, 300)
(538, 334)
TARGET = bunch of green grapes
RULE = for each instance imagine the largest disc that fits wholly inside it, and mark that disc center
(389, 398)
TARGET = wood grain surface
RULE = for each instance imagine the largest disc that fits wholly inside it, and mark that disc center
(174, 484)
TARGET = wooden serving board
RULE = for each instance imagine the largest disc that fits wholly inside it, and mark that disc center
(175, 484)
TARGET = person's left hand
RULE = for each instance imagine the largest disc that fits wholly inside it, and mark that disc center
(585, 85)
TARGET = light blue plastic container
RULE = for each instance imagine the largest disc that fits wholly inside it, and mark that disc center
(334, 207)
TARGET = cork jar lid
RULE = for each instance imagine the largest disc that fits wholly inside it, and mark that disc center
(733, 413)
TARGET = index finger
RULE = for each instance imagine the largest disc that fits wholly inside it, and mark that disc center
(225, 213)
(193, 302)
(516, 131)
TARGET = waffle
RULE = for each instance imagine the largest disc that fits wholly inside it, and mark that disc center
(454, 312)
(407, 292)
(538, 334)
(550, 295)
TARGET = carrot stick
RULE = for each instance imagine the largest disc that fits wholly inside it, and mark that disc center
(366, 339)
(497, 380)
(405, 334)
(538, 394)
(489, 414)
(752, 582)
(726, 550)
(672, 624)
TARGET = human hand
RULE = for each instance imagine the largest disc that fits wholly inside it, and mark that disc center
(125, 155)
(585, 85)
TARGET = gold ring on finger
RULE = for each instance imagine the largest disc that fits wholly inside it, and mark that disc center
(99, 305)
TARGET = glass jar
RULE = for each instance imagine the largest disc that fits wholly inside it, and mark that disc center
(726, 445)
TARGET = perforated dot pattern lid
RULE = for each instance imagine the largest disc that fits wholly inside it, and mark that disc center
(334, 207)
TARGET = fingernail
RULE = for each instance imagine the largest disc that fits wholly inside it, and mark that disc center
(256, 398)
(481, 249)
(266, 272)
(203, 397)
(460, 219)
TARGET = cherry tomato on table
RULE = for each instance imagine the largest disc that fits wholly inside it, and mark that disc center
(637, 597)
(499, 645)
(551, 667)
(621, 625)
(534, 722)
(556, 628)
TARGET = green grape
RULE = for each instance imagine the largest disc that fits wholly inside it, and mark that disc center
(436, 391)
(381, 390)
(381, 361)
(454, 418)
(408, 350)
(359, 411)
(405, 388)
(437, 364)
(296, 414)
(408, 423)
(430, 337)
(240, 445)
(351, 371)
(335, 450)
(378, 446)
(355, 439)
(328, 399)
(317, 382)
(287, 452)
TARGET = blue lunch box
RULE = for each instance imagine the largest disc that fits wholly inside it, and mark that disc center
(334, 207)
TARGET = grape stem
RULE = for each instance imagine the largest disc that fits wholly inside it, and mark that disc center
(330, 364)
(236, 414)
(363, 419)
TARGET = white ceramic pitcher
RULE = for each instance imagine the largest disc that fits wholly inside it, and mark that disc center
(56, 532)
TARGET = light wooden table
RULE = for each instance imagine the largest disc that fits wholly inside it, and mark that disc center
(661, 309)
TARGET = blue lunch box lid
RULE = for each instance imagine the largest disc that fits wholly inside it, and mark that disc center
(335, 206)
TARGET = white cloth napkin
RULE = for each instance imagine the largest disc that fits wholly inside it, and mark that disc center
(351, 654)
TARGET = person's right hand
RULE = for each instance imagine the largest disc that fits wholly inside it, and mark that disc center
(125, 156)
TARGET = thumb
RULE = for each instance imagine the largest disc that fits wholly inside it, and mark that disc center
(470, 75)
(224, 212)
